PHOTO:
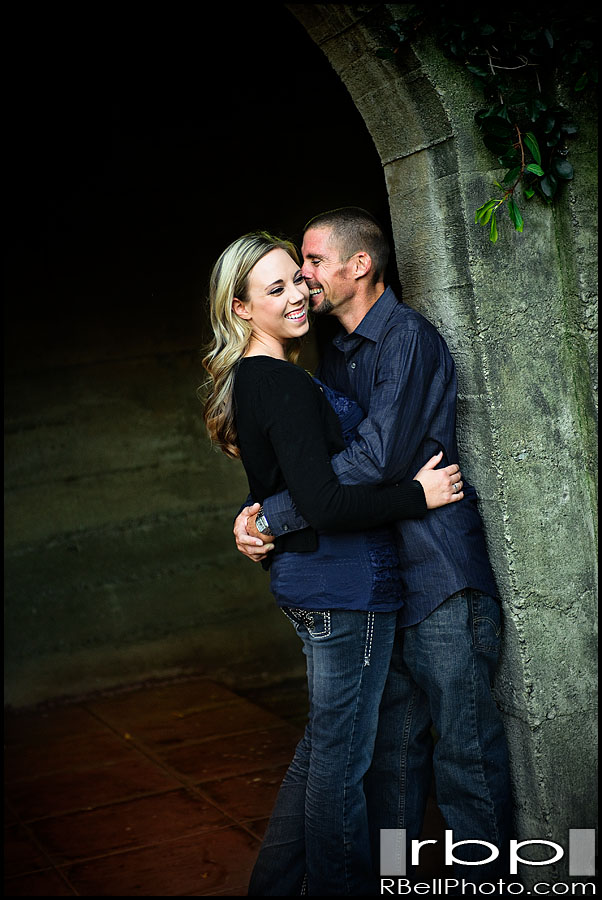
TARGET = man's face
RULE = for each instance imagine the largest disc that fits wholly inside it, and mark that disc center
(327, 277)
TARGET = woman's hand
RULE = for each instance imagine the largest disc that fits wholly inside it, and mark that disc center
(249, 541)
(441, 486)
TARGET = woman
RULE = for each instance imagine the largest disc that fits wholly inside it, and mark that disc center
(338, 581)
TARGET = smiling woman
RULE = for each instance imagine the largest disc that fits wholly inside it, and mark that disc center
(234, 329)
(275, 305)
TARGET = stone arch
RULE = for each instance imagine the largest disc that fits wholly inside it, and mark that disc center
(520, 339)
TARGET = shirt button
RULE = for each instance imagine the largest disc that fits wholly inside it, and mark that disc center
(285, 527)
(352, 365)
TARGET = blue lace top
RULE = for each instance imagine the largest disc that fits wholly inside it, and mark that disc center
(349, 412)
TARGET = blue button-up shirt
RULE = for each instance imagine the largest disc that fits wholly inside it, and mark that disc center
(398, 368)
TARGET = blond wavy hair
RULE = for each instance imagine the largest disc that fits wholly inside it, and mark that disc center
(231, 334)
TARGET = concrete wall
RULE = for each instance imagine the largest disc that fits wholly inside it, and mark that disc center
(119, 555)
(520, 319)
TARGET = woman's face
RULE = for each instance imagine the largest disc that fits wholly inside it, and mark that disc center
(277, 299)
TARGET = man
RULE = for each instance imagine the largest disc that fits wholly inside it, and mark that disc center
(396, 365)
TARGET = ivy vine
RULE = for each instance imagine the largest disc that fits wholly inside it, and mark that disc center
(517, 58)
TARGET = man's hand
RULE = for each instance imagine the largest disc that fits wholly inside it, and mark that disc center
(249, 541)
(441, 486)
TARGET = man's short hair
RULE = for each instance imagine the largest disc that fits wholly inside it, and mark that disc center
(355, 229)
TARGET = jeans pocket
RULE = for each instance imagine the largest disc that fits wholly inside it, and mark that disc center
(317, 623)
(290, 615)
(486, 615)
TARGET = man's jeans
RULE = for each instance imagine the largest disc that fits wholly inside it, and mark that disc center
(317, 841)
(441, 674)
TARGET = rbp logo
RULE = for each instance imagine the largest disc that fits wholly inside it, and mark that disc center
(582, 852)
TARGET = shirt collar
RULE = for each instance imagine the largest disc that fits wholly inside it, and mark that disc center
(374, 322)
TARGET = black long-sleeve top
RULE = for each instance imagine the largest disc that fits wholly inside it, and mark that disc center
(287, 432)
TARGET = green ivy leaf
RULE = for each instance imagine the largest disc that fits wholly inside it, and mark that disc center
(535, 169)
(548, 185)
(569, 128)
(483, 213)
(512, 156)
(496, 111)
(497, 126)
(515, 215)
(582, 82)
(511, 176)
(480, 72)
(528, 192)
(536, 108)
(563, 169)
(548, 123)
(493, 230)
(499, 146)
(397, 31)
(533, 146)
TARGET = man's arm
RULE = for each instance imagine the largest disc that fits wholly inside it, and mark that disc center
(409, 384)
(408, 388)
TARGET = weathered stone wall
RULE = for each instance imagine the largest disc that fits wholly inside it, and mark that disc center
(519, 317)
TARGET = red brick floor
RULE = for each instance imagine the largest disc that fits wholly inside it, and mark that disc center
(158, 791)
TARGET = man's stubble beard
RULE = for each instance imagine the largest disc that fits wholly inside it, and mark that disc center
(324, 308)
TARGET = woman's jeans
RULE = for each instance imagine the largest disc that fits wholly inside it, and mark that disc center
(317, 841)
(441, 674)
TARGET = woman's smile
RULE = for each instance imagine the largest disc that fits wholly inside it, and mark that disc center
(297, 315)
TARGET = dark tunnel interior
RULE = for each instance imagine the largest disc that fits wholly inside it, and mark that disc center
(140, 146)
